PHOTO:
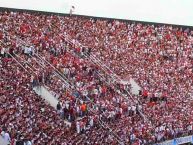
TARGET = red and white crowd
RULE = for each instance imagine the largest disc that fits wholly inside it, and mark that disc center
(27, 118)
(159, 58)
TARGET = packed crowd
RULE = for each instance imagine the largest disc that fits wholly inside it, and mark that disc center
(159, 58)
(90, 93)
(80, 125)
(26, 117)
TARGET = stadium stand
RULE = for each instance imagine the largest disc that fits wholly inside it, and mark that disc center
(65, 54)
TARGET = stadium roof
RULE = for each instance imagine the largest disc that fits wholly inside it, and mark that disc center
(178, 12)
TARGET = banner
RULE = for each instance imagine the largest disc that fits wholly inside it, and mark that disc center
(183, 140)
(178, 141)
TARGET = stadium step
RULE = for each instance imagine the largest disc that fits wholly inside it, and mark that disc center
(45, 94)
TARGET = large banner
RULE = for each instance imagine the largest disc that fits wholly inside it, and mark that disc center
(178, 141)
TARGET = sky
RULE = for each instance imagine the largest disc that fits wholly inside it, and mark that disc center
(162, 11)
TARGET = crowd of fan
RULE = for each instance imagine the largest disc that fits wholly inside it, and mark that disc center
(159, 58)
(91, 93)
(27, 118)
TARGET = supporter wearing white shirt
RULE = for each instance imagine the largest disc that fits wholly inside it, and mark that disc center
(91, 121)
(133, 109)
(3, 134)
(7, 137)
(78, 127)
(26, 50)
(121, 110)
(2, 51)
(28, 143)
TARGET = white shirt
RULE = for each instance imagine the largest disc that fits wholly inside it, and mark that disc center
(7, 137)
(3, 133)
(26, 50)
(29, 50)
(133, 108)
(91, 122)
(3, 51)
(78, 127)
(28, 143)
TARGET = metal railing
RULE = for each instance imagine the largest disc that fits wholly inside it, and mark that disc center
(65, 81)
(62, 77)
(113, 76)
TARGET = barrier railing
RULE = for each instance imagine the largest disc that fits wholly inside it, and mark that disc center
(28, 71)
(72, 86)
(66, 84)
(106, 69)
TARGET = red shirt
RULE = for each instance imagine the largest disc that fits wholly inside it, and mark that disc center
(145, 93)
(1, 35)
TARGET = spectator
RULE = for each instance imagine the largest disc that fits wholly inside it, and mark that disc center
(58, 107)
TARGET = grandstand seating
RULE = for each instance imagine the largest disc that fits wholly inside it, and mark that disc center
(60, 51)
